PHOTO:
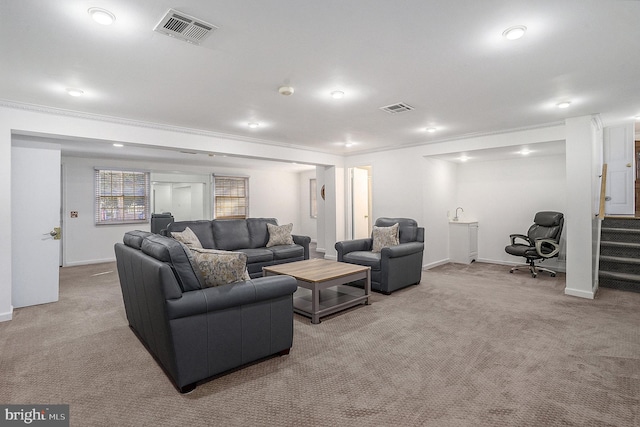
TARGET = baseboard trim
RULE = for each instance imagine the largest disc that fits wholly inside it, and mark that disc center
(579, 293)
(435, 264)
(557, 268)
(331, 257)
(89, 262)
(5, 317)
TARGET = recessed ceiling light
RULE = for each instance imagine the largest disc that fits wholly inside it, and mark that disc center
(101, 16)
(430, 130)
(515, 32)
(253, 125)
(463, 158)
(637, 117)
(525, 152)
(564, 104)
(337, 94)
(118, 145)
(286, 90)
(75, 92)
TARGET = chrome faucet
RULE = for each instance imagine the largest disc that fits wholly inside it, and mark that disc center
(455, 218)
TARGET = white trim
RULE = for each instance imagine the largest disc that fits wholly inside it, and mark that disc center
(579, 293)
(89, 262)
(331, 257)
(5, 317)
(558, 268)
(435, 264)
(149, 125)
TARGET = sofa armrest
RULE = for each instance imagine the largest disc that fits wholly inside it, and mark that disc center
(347, 246)
(304, 242)
(206, 300)
(402, 249)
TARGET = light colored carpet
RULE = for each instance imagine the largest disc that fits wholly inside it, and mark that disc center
(469, 346)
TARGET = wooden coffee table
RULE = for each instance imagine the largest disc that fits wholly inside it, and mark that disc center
(321, 274)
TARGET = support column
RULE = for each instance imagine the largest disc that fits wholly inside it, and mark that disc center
(6, 308)
(579, 215)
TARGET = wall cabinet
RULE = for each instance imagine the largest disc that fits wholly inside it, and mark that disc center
(463, 241)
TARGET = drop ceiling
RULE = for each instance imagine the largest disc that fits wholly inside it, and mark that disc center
(445, 59)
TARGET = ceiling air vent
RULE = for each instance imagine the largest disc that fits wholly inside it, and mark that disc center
(400, 107)
(184, 27)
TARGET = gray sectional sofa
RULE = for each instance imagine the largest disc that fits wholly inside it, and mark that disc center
(197, 332)
(245, 235)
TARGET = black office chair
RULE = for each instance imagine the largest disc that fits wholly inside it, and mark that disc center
(541, 242)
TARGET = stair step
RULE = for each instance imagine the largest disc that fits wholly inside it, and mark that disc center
(625, 245)
(619, 259)
(620, 230)
(627, 277)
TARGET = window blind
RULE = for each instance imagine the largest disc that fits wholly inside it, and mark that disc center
(230, 197)
(121, 196)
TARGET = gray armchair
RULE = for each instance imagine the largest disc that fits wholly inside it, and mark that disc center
(541, 242)
(393, 267)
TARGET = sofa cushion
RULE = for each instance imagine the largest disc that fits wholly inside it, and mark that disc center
(279, 235)
(258, 233)
(220, 267)
(366, 258)
(230, 234)
(287, 251)
(134, 238)
(188, 237)
(169, 250)
(257, 255)
(384, 237)
(201, 228)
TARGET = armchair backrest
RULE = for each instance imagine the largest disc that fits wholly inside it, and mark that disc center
(547, 225)
(408, 228)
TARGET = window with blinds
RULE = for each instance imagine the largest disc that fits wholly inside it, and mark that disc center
(230, 197)
(121, 196)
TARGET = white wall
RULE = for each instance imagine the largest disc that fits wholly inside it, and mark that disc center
(410, 183)
(308, 226)
(503, 196)
(271, 194)
(439, 187)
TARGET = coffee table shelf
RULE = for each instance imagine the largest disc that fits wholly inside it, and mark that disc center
(322, 283)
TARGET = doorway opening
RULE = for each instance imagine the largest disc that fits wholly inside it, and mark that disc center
(360, 202)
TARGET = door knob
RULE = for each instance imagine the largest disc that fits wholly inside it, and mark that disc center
(56, 233)
(628, 165)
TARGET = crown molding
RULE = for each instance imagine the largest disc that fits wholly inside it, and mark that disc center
(461, 137)
(148, 125)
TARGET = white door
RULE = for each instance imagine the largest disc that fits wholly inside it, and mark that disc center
(360, 203)
(619, 157)
(35, 211)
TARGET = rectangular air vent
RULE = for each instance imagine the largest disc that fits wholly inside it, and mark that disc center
(400, 107)
(184, 27)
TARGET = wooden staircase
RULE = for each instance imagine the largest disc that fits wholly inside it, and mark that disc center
(620, 254)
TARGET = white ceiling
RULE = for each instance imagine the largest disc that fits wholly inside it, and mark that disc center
(447, 59)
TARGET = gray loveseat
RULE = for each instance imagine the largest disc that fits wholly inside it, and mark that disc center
(245, 235)
(193, 332)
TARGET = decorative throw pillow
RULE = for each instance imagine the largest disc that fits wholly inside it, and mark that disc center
(279, 234)
(220, 267)
(384, 237)
(188, 237)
